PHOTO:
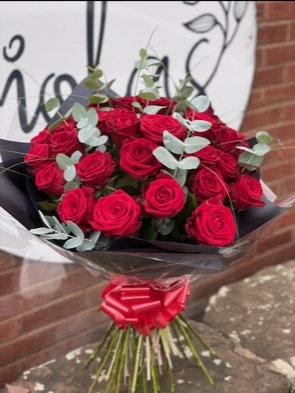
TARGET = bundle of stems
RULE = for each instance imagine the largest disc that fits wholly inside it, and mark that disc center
(130, 361)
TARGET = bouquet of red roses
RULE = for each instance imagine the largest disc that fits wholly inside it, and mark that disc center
(149, 192)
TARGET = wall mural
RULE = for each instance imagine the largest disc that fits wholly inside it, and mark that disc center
(46, 47)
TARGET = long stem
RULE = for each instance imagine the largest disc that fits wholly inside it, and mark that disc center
(196, 334)
(105, 357)
(194, 352)
(136, 364)
(93, 356)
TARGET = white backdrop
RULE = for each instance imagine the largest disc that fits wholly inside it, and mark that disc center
(46, 45)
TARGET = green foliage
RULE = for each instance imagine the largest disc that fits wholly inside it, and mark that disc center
(252, 158)
(69, 233)
(51, 104)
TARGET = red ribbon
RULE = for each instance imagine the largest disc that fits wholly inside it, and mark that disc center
(147, 305)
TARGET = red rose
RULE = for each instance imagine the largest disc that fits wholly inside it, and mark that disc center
(77, 205)
(64, 139)
(153, 126)
(208, 155)
(212, 223)
(103, 116)
(246, 191)
(207, 115)
(228, 166)
(50, 179)
(126, 103)
(137, 159)
(121, 125)
(38, 156)
(95, 169)
(164, 197)
(207, 183)
(117, 214)
(229, 139)
(42, 137)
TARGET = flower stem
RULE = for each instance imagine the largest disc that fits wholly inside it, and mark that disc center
(196, 334)
(188, 340)
(141, 362)
(136, 364)
(94, 355)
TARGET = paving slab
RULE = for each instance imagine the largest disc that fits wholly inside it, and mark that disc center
(259, 314)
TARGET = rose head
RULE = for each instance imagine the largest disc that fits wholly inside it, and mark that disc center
(212, 223)
(116, 214)
(95, 169)
(137, 159)
(77, 206)
(164, 197)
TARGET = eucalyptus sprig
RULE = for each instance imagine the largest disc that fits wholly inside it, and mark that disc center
(69, 233)
(252, 158)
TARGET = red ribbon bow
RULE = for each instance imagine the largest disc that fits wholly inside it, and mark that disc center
(146, 306)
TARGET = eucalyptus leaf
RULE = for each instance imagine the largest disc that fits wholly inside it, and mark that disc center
(90, 243)
(250, 161)
(200, 125)
(137, 105)
(98, 141)
(166, 226)
(172, 143)
(92, 117)
(98, 98)
(149, 94)
(79, 112)
(143, 53)
(87, 133)
(86, 245)
(148, 80)
(75, 229)
(56, 236)
(52, 103)
(82, 123)
(45, 219)
(63, 161)
(73, 242)
(260, 149)
(70, 185)
(189, 163)
(195, 143)
(75, 157)
(180, 176)
(92, 84)
(140, 64)
(200, 103)
(165, 157)
(264, 137)
(58, 226)
(96, 74)
(185, 91)
(70, 173)
(185, 122)
(41, 231)
(152, 109)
